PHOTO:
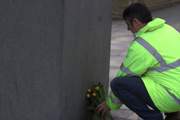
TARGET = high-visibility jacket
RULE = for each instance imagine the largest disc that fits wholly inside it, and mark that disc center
(154, 55)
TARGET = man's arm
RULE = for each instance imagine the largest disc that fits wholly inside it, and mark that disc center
(137, 61)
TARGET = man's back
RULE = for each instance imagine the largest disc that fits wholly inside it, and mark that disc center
(162, 77)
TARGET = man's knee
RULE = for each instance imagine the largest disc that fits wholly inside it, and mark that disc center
(118, 81)
(113, 83)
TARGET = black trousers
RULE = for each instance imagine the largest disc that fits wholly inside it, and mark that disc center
(132, 92)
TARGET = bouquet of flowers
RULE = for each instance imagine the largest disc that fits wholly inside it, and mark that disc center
(94, 96)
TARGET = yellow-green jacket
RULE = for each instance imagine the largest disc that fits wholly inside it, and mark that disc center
(154, 55)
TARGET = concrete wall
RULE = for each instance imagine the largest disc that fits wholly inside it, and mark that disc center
(51, 51)
(120, 5)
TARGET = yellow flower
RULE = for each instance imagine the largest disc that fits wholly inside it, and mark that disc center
(89, 90)
(94, 94)
(88, 95)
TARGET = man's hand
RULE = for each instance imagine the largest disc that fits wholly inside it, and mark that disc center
(102, 109)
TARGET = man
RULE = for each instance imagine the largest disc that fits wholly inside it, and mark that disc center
(148, 81)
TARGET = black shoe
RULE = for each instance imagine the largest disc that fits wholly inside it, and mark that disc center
(173, 116)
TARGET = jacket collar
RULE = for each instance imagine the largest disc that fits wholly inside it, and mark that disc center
(151, 26)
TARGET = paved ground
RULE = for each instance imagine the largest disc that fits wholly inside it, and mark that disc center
(119, 43)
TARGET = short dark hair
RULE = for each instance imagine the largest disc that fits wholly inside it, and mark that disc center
(138, 11)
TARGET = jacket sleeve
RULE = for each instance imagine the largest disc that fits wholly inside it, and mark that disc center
(137, 61)
(112, 101)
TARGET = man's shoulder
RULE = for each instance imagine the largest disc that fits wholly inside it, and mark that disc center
(135, 46)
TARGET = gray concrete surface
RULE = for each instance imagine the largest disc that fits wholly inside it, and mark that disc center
(119, 42)
(51, 51)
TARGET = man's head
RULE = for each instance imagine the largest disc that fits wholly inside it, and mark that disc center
(136, 15)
